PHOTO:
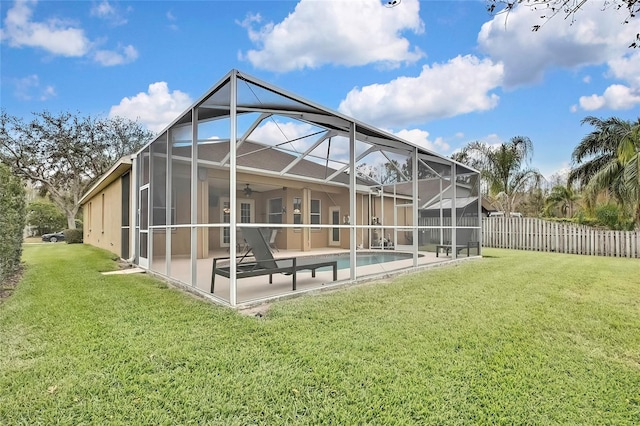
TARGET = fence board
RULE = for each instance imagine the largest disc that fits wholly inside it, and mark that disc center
(541, 235)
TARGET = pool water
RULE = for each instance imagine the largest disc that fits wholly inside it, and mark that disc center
(368, 258)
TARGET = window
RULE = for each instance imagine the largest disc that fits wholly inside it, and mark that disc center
(245, 212)
(315, 213)
(297, 211)
(102, 218)
(89, 214)
(275, 210)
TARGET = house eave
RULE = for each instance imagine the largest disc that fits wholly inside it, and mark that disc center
(115, 172)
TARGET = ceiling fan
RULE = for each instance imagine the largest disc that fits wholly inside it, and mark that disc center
(248, 191)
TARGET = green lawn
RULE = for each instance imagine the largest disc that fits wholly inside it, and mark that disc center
(516, 337)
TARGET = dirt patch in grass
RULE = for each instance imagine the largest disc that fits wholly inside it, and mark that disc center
(9, 285)
(256, 311)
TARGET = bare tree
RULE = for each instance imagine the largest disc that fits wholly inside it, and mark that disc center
(64, 154)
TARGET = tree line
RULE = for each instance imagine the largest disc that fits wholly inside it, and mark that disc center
(602, 187)
(64, 154)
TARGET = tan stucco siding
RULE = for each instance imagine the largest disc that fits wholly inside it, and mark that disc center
(103, 218)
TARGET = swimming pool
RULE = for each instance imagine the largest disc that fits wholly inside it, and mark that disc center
(366, 258)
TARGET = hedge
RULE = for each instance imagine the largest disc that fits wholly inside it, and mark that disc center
(12, 221)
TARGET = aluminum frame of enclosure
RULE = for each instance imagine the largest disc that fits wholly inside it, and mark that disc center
(248, 154)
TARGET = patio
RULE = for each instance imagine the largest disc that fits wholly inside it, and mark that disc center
(257, 289)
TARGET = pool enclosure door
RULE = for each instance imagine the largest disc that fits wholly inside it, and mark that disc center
(143, 250)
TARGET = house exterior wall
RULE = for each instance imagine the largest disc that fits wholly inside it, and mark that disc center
(103, 218)
(288, 238)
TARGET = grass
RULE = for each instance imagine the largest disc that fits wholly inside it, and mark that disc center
(517, 337)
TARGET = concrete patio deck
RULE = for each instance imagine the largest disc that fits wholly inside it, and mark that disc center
(255, 289)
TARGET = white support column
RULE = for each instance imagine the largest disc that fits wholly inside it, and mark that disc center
(441, 213)
(414, 177)
(352, 200)
(395, 215)
(232, 187)
(194, 196)
(169, 203)
(454, 224)
(480, 219)
(134, 228)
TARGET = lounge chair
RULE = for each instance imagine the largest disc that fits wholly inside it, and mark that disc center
(463, 237)
(265, 264)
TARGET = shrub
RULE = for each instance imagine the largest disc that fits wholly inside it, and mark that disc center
(613, 217)
(12, 221)
(73, 236)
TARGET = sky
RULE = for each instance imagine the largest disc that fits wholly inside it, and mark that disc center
(440, 74)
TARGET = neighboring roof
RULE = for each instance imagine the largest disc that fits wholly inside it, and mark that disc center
(461, 202)
(122, 166)
(487, 205)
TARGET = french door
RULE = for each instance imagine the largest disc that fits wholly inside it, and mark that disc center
(245, 213)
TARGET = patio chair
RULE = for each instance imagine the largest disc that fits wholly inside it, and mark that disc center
(266, 264)
(463, 237)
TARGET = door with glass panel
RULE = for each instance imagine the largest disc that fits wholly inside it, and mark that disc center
(143, 220)
(245, 213)
(334, 234)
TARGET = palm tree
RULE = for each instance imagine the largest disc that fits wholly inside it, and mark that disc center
(608, 159)
(561, 198)
(504, 168)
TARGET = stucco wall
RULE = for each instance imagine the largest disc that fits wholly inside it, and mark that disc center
(102, 216)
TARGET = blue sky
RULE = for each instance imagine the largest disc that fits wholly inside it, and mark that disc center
(438, 73)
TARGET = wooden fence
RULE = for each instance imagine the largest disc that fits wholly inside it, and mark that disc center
(542, 235)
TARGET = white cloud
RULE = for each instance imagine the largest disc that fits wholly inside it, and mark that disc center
(350, 33)
(421, 138)
(60, 37)
(108, 12)
(556, 173)
(29, 88)
(459, 86)
(109, 58)
(595, 37)
(172, 18)
(493, 140)
(156, 109)
(627, 68)
(273, 132)
(55, 36)
(616, 97)
(47, 93)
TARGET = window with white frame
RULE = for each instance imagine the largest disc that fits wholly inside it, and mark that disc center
(315, 215)
(275, 210)
(297, 211)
